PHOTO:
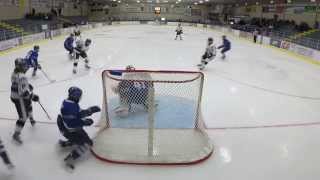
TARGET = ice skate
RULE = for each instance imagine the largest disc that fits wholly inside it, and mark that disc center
(34, 73)
(16, 137)
(64, 144)
(33, 122)
(69, 163)
(10, 166)
(87, 66)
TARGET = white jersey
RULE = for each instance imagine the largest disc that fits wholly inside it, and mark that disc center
(19, 86)
(211, 50)
(179, 29)
(80, 46)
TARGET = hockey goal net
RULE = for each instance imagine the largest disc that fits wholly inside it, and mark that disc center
(152, 117)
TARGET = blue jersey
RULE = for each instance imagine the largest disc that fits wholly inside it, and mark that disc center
(226, 44)
(68, 43)
(72, 115)
(32, 58)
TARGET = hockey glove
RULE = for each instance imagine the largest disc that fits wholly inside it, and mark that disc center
(39, 66)
(87, 122)
(94, 109)
(35, 98)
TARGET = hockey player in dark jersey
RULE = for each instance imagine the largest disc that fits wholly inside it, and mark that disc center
(226, 46)
(5, 157)
(71, 121)
(68, 45)
(32, 59)
(81, 51)
(22, 97)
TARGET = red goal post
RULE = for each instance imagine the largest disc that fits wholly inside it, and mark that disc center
(152, 117)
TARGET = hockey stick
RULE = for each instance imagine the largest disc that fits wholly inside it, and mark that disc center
(46, 75)
(45, 111)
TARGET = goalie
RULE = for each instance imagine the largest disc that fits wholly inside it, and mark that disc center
(133, 91)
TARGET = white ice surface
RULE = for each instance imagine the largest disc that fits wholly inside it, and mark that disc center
(254, 86)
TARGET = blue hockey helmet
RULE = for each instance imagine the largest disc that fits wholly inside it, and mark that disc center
(74, 93)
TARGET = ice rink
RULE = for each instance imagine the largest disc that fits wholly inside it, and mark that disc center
(261, 106)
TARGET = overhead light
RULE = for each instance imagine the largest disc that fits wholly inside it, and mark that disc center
(177, 2)
(119, 1)
(201, 2)
(206, 0)
(271, 2)
(138, 1)
(166, 1)
(195, 3)
(257, 3)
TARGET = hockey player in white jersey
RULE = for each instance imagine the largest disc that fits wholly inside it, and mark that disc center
(179, 32)
(209, 54)
(81, 51)
(22, 97)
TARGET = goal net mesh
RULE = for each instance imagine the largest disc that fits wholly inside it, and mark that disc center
(152, 117)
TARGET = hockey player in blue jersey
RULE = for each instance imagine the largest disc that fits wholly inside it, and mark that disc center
(32, 59)
(68, 45)
(226, 46)
(71, 121)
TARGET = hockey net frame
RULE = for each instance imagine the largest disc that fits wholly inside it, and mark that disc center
(106, 147)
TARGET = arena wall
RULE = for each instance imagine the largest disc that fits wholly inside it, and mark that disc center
(294, 12)
(17, 9)
(145, 11)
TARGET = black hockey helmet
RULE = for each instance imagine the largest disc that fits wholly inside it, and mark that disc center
(77, 33)
(224, 37)
(74, 94)
(72, 34)
(20, 65)
(36, 48)
(130, 68)
(88, 42)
